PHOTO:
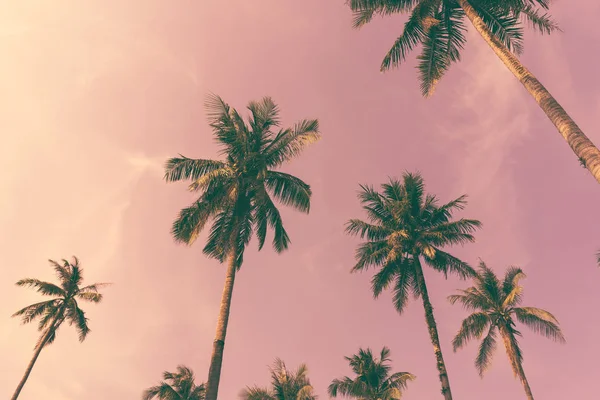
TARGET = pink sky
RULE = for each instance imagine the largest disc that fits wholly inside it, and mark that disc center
(97, 94)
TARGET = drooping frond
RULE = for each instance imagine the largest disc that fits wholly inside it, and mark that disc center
(486, 351)
(289, 190)
(434, 60)
(446, 263)
(472, 327)
(540, 321)
(34, 311)
(415, 29)
(505, 26)
(541, 22)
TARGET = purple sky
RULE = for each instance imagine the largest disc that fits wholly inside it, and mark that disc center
(97, 96)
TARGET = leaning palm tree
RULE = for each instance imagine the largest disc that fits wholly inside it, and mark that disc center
(180, 385)
(439, 26)
(373, 379)
(285, 385)
(62, 307)
(496, 306)
(406, 227)
(237, 194)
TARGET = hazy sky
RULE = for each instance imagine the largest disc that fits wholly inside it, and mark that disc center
(97, 94)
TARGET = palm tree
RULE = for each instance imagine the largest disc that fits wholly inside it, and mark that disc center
(285, 385)
(180, 387)
(495, 306)
(406, 226)
(598, 257)
(373, 380)
(237, 194)
(439, 26)
(63, 307)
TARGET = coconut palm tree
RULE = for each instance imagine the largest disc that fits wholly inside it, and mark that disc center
(439, 26)
(406, 228)
(62, 307)
(496, 306)
(285, 385)
(373, 379)
(176, 386)
(237, 194)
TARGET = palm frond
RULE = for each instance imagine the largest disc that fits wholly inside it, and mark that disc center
(540, 321)
(453, 17)
(504, 26)
(446, 263)
(486, 351)
(256, 393)
(289, 143)
(33, 311)
(434, 59)
(543, 23)
(288, 189)
(44, 288)
(265, 115)
(510, 286)
(183, 168)
(472, 327)
(413, 34)
(362, 229)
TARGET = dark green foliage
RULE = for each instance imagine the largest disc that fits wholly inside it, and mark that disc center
(64, 306)
(373, 381)
(237, 193)
(438, 25)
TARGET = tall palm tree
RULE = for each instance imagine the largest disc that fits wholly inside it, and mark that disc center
(373, 379)
(285, 385)
(439, 26)
(406, 227)
(496, 306)
(180, 385)
(62, 307)
(237, 194)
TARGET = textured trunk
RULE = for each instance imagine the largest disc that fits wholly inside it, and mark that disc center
(515, 363)
(581, 145)
(36, 354)
(433, 332)
(214, 373)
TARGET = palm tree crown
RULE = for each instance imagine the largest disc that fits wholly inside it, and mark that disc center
(373, 380)
(438, 25)
(285, 385)
(64, 306)
(176, 386)
(237, 192)
(404, 224)
(496, 306)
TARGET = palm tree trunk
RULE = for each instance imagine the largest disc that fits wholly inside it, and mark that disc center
(433, 332)
(515, 363)
(36, 353)
(581, 145)
(214, 373)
